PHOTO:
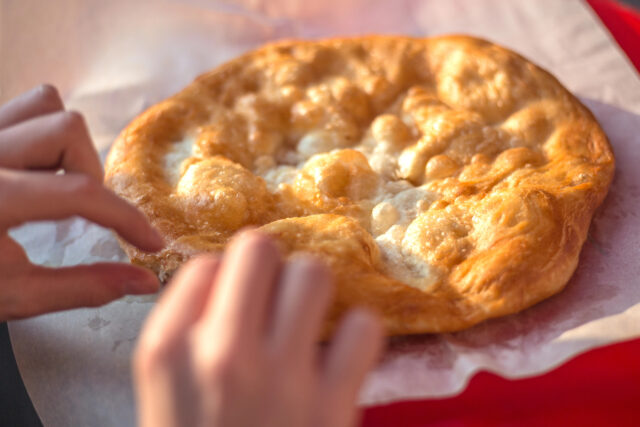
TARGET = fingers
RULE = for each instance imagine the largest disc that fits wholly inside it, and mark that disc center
(352, 354)
(182, 302)
(45, 289)
(53, 141)
(354, 349)
(30, 196)
(300, 305)
(245, 282)
(38, 101)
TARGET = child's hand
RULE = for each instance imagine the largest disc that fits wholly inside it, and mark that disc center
(233, 342)
(38, 138)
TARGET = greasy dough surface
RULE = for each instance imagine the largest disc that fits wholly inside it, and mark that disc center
(444, 180)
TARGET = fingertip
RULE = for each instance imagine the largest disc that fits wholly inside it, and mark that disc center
(242, 235)
(72, 121)
(366, 321)
(310, 269)
(147, 237)
(146, 283)
(40, 100)
(203, 261)
(365, 327)
(354, 351)
(48, 93)
(312, 265)
(141, 288)
(249, 235)
(156, 241)
(200, 264)
(254, 240)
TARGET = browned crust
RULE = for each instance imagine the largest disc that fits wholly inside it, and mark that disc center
(524, 259)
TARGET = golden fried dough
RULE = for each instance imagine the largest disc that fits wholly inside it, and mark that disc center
(444, 180)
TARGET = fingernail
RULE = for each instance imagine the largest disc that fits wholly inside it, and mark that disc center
(141, 287)
(255, 239)
(246, 233)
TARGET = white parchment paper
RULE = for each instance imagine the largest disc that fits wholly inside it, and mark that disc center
(113, 59)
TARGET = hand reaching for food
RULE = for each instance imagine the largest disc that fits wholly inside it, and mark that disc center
(233, 342)
(38, 138)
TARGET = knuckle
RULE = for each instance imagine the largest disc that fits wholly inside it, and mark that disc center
(219, 367)
(12, 189)
(223, 371)
(17, 305)
(48, 94)
(72, 121)
(84, 185)
(153, 351)
(18, 308)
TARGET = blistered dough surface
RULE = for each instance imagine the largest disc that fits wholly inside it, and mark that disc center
(444, 180)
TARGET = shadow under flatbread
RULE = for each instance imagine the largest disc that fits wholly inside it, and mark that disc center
(605, 283)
